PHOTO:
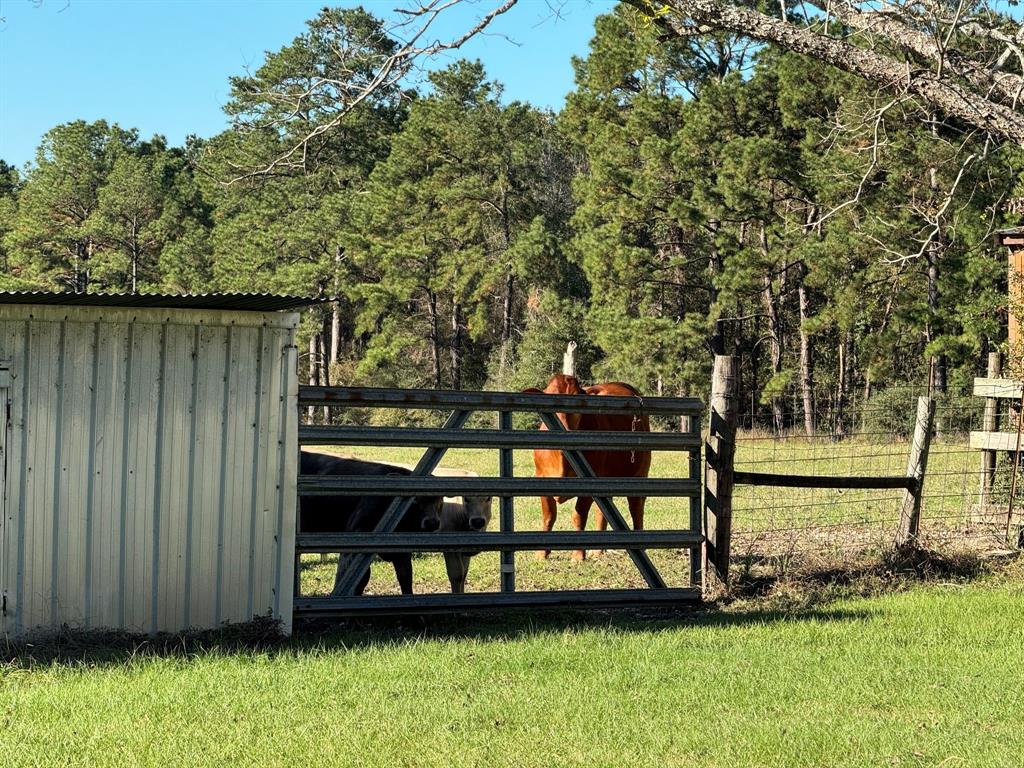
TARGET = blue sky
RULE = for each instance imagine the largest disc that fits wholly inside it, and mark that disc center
(162, 66)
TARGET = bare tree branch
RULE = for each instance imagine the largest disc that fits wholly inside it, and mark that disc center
(978, 98)
(412, 33)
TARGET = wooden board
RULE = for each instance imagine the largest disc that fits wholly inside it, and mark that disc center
(995, 441)
(1015, 289)
(984, 387)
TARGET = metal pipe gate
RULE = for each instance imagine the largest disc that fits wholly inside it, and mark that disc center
(361, 546)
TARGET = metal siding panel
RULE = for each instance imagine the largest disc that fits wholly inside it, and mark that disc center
(237, 510)
(96, 489)
(258, 449)
(19, 352)
(139, 518)
(108, 475)
(38, 587)
(206, 462)
(288, 482)
(190, 482)
(173, 515)
(12, 354)
(71, 473)
(267, 550)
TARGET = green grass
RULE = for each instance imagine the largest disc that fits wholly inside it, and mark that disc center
(926, 677)
(770, 521)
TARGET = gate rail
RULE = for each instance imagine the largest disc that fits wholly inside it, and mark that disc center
(361, 546)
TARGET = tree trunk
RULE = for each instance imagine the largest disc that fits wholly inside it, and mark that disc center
(135, 268)
(435, 338)
(934, 255)
(715, 268)
(506, 321)
(775, 340)
(844, 384)
(335, 332)
(336, 311)
(325, 364)
(456, 349)
(313, 379)
(806, 356)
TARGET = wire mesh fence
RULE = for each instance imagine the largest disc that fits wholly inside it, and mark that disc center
(867, 435)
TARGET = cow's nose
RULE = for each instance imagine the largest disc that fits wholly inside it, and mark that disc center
(477, 523)
(431, 524)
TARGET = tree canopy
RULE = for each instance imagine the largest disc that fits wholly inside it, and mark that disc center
(706, 189)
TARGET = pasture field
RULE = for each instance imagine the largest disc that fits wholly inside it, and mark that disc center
(927, 676)
(768, 521)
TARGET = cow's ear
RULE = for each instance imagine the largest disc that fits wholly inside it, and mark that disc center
(594, 390)
(533, 391)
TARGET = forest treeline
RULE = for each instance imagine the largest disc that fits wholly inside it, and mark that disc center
(693, 197)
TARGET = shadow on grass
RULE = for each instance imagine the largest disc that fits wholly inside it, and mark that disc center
(262, 635)
(750, 602)
(891, 571)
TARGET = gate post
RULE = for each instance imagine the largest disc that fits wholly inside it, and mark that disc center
(917, 464)
(719, 455)
(507, 517)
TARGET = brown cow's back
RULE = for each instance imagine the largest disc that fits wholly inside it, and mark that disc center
(604, 463)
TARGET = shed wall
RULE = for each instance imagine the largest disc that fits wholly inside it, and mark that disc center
(150, 481)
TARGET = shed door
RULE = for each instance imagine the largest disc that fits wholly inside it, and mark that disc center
(5, 425)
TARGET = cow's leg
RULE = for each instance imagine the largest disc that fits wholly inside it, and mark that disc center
(403, 572)
(457, 566)
(636, 511)
(548, 515)
(579, 521)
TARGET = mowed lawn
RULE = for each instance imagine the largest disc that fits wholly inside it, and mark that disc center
(933, 676)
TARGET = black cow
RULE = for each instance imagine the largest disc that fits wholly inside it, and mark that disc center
(344, 514)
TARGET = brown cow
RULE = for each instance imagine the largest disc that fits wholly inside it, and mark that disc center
(604, 463)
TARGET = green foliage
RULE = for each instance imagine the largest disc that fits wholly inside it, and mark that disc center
(695, 196)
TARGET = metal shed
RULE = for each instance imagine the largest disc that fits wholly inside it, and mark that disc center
(148, 460)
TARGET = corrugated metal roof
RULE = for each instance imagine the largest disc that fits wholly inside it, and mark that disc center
(1013, 236)
(245, 302)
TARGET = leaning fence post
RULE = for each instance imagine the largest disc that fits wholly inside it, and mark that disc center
(917, 465)
(720, 453)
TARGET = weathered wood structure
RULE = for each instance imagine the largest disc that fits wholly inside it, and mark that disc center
(1013, 241)
(992, 441)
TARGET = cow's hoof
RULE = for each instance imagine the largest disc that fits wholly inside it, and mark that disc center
(579, 555)
(598, 552)
(543, 554)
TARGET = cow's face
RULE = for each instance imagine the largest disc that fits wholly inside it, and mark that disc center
(478, 511)
(428, 509)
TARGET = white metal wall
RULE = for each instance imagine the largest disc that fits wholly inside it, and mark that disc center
(151, 467)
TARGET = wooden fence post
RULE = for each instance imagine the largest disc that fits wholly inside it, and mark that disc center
(990, 423)
(720, 453)
(917, 465)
